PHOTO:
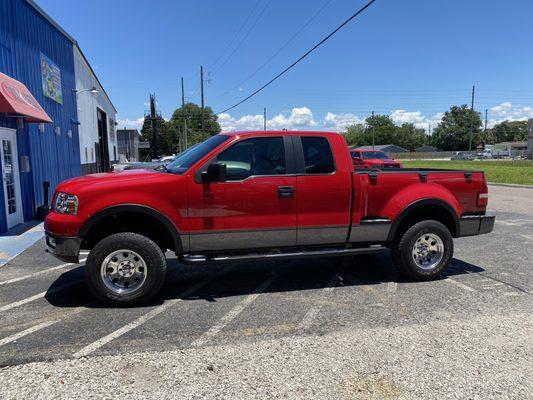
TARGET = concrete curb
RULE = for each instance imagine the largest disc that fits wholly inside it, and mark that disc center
(513, 185)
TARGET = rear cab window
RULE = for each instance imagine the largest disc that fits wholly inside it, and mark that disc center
(318, 156)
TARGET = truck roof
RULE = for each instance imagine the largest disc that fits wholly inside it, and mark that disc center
(278, 133)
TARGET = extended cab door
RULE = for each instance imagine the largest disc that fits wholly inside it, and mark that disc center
(255, 207)
(324, 186)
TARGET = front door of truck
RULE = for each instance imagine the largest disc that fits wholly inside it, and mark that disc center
(254, 208)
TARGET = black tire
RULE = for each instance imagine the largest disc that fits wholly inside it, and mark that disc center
(153, 266)
(402, 250)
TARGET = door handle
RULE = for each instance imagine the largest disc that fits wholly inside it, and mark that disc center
(285, 191)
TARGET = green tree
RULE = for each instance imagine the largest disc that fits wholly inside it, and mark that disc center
(355, 135)
(410, 137)
(193, 113)
(508, 131)
(167, 143)
(170, 133)
(380, 129)
(453, 132)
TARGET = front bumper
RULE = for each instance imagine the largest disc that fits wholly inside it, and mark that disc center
(65, 248)
(471, 225)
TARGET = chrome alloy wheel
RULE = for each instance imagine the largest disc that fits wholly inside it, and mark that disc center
(123, 271)
(428, 251)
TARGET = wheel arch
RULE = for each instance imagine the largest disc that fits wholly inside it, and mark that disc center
(125, 209)
(420, 209)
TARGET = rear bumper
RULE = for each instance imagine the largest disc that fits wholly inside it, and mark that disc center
(471, 225)
(65, 248)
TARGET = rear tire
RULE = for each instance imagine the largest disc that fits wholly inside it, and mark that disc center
(125, 269)
(424, 251)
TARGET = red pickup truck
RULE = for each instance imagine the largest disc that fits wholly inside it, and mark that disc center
(257, 195)
(373, 159)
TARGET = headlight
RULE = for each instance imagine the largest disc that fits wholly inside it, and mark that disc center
(66, 204)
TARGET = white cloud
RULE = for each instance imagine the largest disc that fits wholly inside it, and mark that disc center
(509, 111)
(299, 118)
(339, 122)
(130, 123)
(416, 118)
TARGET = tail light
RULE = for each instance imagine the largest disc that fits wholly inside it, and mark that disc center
(483, 195)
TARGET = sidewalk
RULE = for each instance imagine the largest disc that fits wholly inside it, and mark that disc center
(18, 239)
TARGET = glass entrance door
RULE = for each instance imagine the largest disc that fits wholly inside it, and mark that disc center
(10, 177)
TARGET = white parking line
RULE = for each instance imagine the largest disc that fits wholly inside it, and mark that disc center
(38, 296)
(21, 278)
(25, 332)
(38, 327)
(459, 284)
(137, 322)
(311, 315)
(232, 314)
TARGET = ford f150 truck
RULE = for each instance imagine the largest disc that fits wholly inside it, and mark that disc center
(373, 159)
(259, 195)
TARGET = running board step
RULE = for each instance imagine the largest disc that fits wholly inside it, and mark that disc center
(206, 259)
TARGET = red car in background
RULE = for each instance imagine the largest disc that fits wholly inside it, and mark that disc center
(368, 159)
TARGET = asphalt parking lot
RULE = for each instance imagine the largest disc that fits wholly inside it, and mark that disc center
(328, 328)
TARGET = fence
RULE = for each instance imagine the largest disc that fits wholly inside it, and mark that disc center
(446, 155)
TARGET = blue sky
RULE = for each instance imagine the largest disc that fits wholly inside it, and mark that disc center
(410, 59)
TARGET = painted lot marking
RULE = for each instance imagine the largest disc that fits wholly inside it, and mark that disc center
(514, 222)
(312, 313)
(530, 237)
(137, 322)
(459, 284)
(26, 332)
(38, 296)
(232, 314)
(21, 278)
(37, 327)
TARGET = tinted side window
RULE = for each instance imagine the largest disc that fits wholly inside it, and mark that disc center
(318, 156)
(257, 156)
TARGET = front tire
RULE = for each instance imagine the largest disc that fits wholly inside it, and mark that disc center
(125, 269)
(424, 251)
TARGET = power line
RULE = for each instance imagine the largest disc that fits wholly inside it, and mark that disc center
(302, 57)
(245, 36)
(313, 17)
(212, 65)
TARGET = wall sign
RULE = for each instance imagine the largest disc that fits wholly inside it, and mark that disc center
(51, 77)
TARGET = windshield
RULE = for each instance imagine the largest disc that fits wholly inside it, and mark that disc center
(374, 154)
(190, 156)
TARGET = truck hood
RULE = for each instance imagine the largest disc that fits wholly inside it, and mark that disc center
(112, 179)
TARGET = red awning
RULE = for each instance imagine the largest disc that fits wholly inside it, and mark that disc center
(16, 99)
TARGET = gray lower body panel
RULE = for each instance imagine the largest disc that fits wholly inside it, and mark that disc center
(241, 240)
(376, 230)
(322, 235)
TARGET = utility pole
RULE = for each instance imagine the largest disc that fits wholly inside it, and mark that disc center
(472, 119)
(373, 136)
(184, 115)
(486, 118)
(202, 99)
(264, 119)
(154, 126)
(429, 132)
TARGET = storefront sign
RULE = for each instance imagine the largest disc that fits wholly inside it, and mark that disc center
(51, 77)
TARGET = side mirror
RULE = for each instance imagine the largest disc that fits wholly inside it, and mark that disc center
(357, 159)
(216, 172)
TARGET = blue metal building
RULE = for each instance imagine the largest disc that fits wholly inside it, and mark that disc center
(36, 52)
